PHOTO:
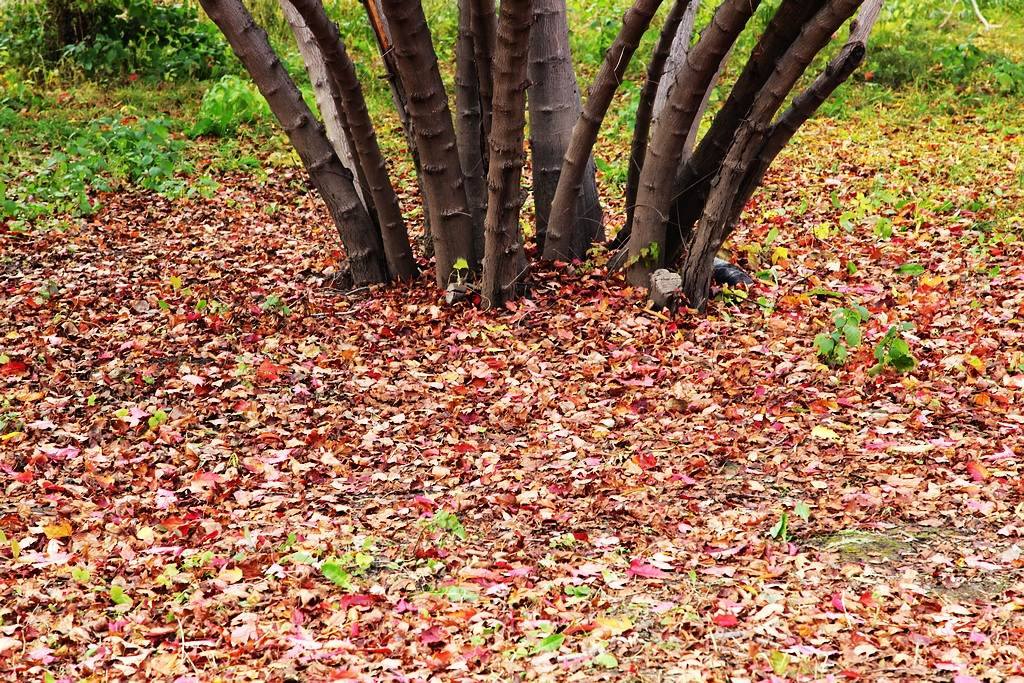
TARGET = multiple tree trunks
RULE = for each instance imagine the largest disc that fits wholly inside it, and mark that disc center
(485, 27)
(554, 101)
(717, 219)
(342, 71)
(359, 234)
(451, 222)
(682, 203)
(328, 99)
(654, 195)
(674, 38)
(562, 242)
(504, 260)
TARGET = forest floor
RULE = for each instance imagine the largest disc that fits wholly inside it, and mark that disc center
(212, 459)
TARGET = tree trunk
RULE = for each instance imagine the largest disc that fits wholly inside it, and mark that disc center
(504, 260)
(451, 223)
(328, 99)
(560, 241)
(484, 22)
(693, 183)
(804, 105)
(469, 130)
(715, 220)
(360, 236)
(682, 13)
(554, 100)
(654, 194)
(382, 33)
(343, 72)
(678, 48)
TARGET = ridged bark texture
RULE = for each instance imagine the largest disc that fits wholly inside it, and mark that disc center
(559, 243)
(672, 29)
(382, 32)
(469, 127)
(360, 236)
(504, 260)
(342, 71)
(451, 223)
(694, 181)
(554, 105)
(485, 27)
(654, 194)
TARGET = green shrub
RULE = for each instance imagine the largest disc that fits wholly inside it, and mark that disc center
(110, 39)
(229, 103)
(96, 158)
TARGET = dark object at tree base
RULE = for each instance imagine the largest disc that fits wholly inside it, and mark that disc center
(726, 273)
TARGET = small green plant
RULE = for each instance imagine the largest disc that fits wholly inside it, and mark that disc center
(228, 104)
(447, 522)
(893, 351)
(834, 347)
(275, 304)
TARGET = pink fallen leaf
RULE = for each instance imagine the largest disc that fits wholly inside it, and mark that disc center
(648, 571)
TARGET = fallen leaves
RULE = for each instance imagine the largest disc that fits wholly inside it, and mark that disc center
(575, 489)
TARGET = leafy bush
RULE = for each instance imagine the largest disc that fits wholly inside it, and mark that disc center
(110, 38)
(95, 158)
(229, 103)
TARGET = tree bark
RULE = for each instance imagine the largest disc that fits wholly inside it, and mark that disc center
(652, 91)
(360, 236)
(451, 223)
(804, 105)
(382, 33)
(469, 130)
(328, 99)
(693, 182)
(504, 260)
(342, 71)
(654, 194)
(554, 101)
(484, 22)
(678, 47)
(560, 241)
(715, 220)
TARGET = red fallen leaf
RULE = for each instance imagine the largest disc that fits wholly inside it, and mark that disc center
(640, 568)
(645, 460)
(977, 471)
(867, 599)
(850, 674)
(357, 600)
(725, 620)
(424, 503)
(433, 637)
(13, 367)
(269, 372)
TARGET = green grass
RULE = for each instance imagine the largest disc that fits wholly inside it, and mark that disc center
(67, 138)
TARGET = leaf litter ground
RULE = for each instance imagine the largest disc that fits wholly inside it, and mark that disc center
(217, 463)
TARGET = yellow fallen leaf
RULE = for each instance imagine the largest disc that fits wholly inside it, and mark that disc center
(145, 534)
(823, 432)
(230, 575)
(59, 530)
(615, 625)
